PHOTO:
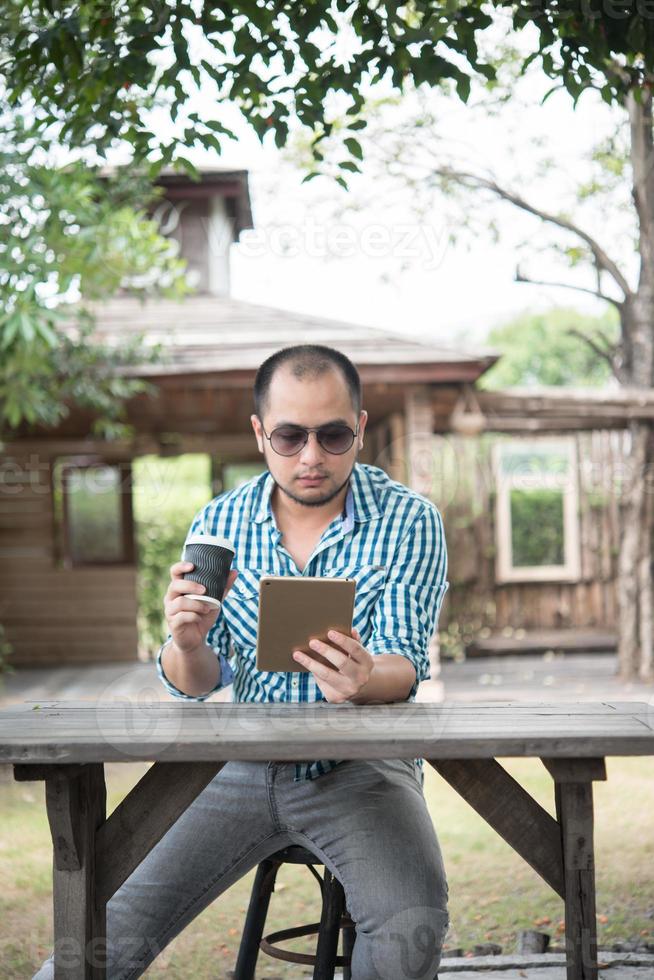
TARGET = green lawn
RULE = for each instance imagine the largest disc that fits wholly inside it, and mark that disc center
(493, 894)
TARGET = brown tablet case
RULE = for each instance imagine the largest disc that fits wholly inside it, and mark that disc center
(294, 610)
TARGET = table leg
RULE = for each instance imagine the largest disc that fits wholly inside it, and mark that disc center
(573, 793)
(76, 804)
(93, 856)
(574, 808)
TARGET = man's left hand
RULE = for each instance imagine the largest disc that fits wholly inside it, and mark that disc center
(351, 670)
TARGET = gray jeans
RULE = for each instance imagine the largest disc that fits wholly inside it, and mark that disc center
(366, 820)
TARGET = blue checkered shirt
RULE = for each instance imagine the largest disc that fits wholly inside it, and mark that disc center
(388, 537)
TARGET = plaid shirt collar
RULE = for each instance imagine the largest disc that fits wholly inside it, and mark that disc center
(361, 502)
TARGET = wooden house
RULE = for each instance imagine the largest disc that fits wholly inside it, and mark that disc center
(428, 426)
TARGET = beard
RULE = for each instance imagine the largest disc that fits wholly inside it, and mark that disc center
(315, 501)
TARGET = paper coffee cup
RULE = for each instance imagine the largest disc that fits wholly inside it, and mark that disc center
(212, 558)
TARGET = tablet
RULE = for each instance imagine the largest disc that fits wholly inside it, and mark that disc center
(294, 610)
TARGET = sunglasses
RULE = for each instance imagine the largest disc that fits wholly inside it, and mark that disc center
(334, 438)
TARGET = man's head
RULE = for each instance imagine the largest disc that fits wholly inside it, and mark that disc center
(311, 386)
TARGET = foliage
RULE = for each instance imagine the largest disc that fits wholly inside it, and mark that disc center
(537, 532)
(168, 494)
(40, 381)
(607, 47)
(69, 231)
(548, 349)
(96, 71)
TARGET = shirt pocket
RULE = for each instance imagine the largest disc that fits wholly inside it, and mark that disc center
(370, 581)
(241, 607)
(246, 584)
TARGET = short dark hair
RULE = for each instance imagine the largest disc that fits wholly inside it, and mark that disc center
(306, 360)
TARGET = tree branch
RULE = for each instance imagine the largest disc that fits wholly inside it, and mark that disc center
(604, 354)
(519, 277)
(602, 259)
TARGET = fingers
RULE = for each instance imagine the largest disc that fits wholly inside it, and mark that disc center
(317, 669)
(334, 656)
(186, 603)
(180, 592)
(349, 644)
(183, 617)
(182, 586)
(204, 618)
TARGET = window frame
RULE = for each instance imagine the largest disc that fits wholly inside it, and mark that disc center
(505, 570)
(67, 465)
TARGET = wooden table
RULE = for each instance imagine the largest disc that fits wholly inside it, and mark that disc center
(67, 743)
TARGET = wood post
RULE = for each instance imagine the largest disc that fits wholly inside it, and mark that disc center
(573, 792)
(419, 440)
(76, 804)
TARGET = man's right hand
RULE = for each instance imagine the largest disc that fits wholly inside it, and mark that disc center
(188, 620)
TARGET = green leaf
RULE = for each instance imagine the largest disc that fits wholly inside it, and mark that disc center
(354, 147)
(26, 327)
(9, 332)
(48, 335)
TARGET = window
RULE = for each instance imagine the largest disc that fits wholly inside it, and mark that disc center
(93, 511)
(537, 529)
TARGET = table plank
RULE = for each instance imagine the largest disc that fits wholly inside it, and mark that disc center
(62, 732)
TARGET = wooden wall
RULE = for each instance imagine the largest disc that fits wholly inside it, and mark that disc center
(51, 614)
(463, 487)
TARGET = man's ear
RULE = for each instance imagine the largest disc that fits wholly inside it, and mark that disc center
(256, 425)
(363, 419)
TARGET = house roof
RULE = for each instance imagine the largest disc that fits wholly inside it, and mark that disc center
(231, 184)
(220, 335)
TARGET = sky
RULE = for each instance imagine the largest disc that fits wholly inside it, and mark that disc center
(385, 267)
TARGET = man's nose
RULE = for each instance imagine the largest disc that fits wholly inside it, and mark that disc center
(312, 452)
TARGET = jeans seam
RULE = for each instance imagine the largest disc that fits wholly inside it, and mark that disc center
(181, 913)
(274, 813)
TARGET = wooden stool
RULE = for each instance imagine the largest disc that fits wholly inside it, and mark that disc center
(334, 917)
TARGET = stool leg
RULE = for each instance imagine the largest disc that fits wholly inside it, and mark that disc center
(349, 935)
(333, 906)
(264, 885)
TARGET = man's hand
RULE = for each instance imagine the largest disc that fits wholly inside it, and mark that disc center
(189, 621)
(350, 672)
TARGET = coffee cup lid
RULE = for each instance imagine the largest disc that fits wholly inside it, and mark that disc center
(210, 539)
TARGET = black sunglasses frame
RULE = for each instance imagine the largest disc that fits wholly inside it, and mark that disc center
(306, 430)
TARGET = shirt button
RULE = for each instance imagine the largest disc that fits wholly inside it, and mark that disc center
(294, 682)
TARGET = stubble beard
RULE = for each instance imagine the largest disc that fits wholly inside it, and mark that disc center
(316, 501)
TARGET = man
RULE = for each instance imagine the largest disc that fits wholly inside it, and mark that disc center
(317, 512)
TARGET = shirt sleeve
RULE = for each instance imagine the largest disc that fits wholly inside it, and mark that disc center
(406, 615)
(218, 638)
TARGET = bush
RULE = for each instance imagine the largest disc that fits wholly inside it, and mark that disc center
(169, 493)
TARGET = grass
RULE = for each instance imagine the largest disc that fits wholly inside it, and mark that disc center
(493, 893)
